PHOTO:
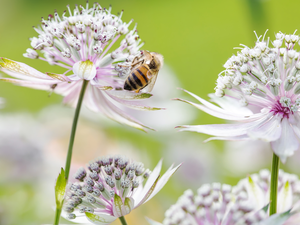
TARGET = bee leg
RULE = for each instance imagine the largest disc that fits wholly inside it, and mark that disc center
(137, 91)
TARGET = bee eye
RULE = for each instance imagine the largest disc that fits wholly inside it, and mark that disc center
(152, 64)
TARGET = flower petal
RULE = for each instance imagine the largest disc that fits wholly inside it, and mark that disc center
(22, 71)
(40, 84)
(117, 207)
(163, 180)
(99, 102)
(287, 143)
(230, 104)
(128, 206)
(267, 130)
(236, 138)
(133, 104)
(285, 198)
(100, 219)
(225, 130)
(151, 179)
(255, 193)
(152, 222)
(148, 193)
(129, 95)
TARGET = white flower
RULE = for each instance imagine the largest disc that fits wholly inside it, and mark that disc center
(111, 188)
(243, 204)
(85, 44)
(261, 91)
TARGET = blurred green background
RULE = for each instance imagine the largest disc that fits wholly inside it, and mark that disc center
(195, 38)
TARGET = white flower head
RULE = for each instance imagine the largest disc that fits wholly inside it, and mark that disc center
(243, 204)
(262, 93)
(111, 188)
(214, 203)
(91, 44)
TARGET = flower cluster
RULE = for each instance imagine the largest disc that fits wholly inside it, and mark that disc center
(111, 188)
(85, 43)
(223, 204)
(260, 89)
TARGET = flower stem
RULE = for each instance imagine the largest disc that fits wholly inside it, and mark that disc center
(274, 184)
(71, 143)
(57, 216)
(123, 221)
(73, 131)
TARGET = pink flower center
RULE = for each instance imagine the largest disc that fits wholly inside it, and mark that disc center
(278, 108)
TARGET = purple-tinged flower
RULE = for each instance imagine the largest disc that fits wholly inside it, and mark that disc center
(111, 188)
(259, 88)
(213, 204)
(243, 204)
(85, 43)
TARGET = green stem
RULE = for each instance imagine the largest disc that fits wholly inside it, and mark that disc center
(57, 216)
(71, 143)
(123, 221)
(73, 131)
(274, 184)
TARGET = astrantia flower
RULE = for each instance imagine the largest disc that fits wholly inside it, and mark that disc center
(244, 204)
(260, 89)
(112, 187)
(85, 44)
(213, 204)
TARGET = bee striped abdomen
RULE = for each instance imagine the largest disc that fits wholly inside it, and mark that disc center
(137, 79)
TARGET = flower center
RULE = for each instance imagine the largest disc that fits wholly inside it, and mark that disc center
(284, 111)
(85, 69)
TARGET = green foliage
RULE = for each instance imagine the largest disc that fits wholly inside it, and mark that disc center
(60, 189)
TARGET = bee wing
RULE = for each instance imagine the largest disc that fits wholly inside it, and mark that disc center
(151, 83)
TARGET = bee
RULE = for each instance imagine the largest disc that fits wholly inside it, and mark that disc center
(144, 71)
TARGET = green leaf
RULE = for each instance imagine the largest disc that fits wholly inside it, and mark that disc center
(60, 189)
(277, 219)
(266, 208)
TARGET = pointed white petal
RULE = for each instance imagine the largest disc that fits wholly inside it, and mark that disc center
(256, 194)
(99, 218)
(230, 105)
(236, 138)
(152, 222)
(163, 180)
(225, 130)
(128, 95)
(98, 102)
(151, 180)
(134, 104)
(117, 207)
(285, 198)
(22, 71)
(217, 112)
(287, 143)
(148, 193)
